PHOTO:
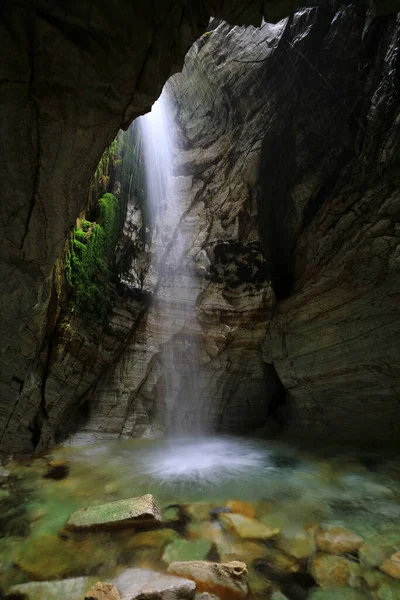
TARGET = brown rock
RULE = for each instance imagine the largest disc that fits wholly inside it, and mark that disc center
(337, 540)
(392, 566)
(247, 528)
(331, 570)
(103, 591)
(226, 580)
(242, 508)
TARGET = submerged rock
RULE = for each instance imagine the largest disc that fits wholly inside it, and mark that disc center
(247, 528)
(338, 540)
(184, 550)
(392, 566)
(145, 584)
(342, 593)
(68, 589)
(48, 557)
(157, 538)
(297, 543)
(242, 508)
(330, 570)
(122, 513)
(242, 550)
(103, 591)
(226, 580)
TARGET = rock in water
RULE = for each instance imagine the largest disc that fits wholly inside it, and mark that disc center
(184, 550)
(392, 566)
(103, 591)
(227, 580)
(145, 584)
(70, 589)
(122, 513)
(338, 540)
(247, 528)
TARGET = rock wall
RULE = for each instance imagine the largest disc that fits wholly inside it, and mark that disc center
(288, 169)
(334, 338)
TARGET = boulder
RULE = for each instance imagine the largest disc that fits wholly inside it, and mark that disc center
(186, 550)
(70, 589)
(102, 591)
(145, 584)
(247, 528)
(392, 566)
(337, 540)
(226, 580)
(133, 512)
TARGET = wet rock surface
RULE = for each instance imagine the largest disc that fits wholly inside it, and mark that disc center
(122, 513)
(73, 589)
(145, 584)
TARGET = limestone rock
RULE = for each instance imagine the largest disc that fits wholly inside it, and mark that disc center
(185, 550)
(226, 580)
(102, 591)
(145, 584)
(121, 513)
(392, 566)
(247, 528)
(73, 589)
(337, 540)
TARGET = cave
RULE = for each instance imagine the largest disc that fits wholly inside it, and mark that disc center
(200, 300)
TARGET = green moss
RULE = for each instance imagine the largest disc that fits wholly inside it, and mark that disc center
(90, 262)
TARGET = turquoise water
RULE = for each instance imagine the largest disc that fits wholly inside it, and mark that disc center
(194, 480)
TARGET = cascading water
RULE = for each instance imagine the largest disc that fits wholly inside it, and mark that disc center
(176, 290)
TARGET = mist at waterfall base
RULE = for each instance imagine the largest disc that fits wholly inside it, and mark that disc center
(174, 298)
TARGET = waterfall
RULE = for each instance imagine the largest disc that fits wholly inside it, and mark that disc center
(175, 293)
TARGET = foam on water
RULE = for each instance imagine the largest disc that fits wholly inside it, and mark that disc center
(208, 458)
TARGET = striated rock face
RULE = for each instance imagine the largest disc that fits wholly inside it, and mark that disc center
(288, 179)
(212, 295)
(334, 233)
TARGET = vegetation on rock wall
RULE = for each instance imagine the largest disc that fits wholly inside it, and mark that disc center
(96, 256)
(90, 262)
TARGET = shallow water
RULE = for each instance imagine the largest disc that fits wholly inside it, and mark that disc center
(279, 485)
